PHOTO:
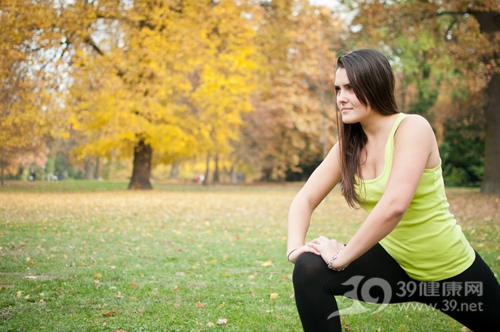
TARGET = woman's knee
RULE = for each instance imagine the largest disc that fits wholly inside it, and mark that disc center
(308, 268)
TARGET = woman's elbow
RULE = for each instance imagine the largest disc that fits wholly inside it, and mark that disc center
(397, 210)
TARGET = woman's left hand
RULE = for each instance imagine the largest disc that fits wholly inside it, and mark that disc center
(327, 248)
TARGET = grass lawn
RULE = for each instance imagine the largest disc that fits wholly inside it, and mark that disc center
(92, 256)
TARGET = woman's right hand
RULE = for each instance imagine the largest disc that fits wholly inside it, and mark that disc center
(292, 257)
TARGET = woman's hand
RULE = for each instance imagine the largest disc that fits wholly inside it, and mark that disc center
(326, 248)
(294, 254)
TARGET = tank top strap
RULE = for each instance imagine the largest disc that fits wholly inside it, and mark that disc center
(395, 127)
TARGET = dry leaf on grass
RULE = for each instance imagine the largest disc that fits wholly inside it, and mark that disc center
(222, 321)
(267, 263)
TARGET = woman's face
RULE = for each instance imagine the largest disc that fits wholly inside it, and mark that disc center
(351, 109)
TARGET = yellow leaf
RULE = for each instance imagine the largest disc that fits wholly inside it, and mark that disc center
(267, 263)
(273, 296)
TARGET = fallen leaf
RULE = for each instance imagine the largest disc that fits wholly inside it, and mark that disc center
(97, 276)
(200, 305)
(19, 294)
(222, 321)
(347, 327)
(267, 263)
(273, 296)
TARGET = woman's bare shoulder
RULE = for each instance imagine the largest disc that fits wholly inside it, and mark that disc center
(415, 124)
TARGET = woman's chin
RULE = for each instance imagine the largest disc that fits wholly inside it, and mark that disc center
(348, 120)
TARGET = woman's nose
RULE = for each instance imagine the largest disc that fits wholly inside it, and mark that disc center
(341, 97)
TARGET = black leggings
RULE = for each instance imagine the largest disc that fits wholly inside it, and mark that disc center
(472, 297)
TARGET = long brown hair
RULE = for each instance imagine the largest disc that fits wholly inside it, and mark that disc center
(372, 80)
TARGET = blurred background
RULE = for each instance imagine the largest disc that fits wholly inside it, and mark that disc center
(232, 91)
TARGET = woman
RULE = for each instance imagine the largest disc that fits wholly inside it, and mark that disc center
(410, 247)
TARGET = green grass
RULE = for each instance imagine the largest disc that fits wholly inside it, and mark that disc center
(91, 256)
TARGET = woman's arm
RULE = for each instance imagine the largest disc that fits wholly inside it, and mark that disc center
(319, 184)
(415, 149)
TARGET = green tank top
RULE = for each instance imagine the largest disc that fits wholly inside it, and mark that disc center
(427, 243)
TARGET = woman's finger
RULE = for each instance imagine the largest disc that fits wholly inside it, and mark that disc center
(312, 250)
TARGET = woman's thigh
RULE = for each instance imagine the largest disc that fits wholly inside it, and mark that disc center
(374, 277)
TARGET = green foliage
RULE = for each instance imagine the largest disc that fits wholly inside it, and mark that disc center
(462, 153)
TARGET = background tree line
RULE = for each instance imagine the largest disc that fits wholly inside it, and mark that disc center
(241, 86)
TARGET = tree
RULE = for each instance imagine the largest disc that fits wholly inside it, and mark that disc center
(470, 33)
(285, 132)
(28, 93)
(166, 79)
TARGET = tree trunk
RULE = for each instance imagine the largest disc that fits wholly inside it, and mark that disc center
(142, 167)
(174, 172)
(216, 177)
(3, 165)
(489, 23)
(207, 170)
(491, 180)
(97, 168)
(89, 169)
